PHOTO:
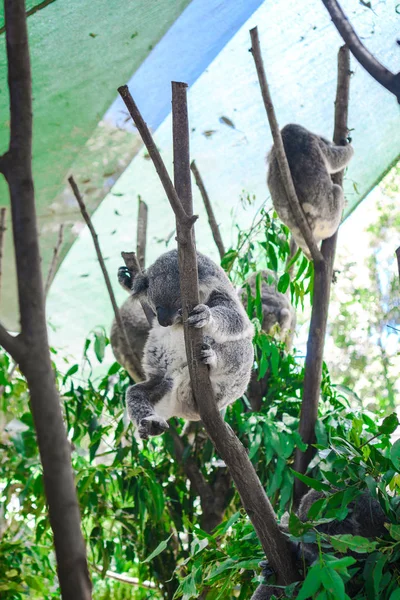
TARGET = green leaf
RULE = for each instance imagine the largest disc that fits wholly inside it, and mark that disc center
(395, 595)
(311, 584)
(389, 424)
(99, 346)
(160, 548)
(356, 543)
(312, 483)
(283, 283)
(395, 455)
(333, 583)
(394, 531)
(70, 372)
(272, 257)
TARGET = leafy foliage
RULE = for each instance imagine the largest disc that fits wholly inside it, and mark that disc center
(141, 516)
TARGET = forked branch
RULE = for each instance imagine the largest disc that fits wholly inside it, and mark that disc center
(280, 151)
(226, 443)
(381, 74)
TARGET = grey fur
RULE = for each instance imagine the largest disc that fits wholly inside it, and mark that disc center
(366, 518)
(266, 592)
(279, 316)
(227, 348)
(312, 159)
(137, 330)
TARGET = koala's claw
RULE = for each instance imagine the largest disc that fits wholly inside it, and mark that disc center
(200, 316)
(207, 354)
(152, 426)
(125, 278)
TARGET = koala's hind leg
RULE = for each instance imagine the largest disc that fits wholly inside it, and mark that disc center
(337, 157)
(140, 401)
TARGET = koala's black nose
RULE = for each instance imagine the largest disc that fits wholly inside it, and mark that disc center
(165, 316)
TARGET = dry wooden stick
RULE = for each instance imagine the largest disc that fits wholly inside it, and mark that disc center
(53, 265)
(2, 230)
(381, 74)
(30, 349)
(226, 443)
(149, 585)
(117, 314)
(322, 286)
(210, 213)
(141, 236)
(280, 151)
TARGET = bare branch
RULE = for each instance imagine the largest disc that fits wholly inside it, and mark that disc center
(141, 237)
(280, 151)
(398, 260)
(117, 314)
(210, 213)
(34, 359)
(132, 263)
(54, 260)
(322, 285)
(11, 344)
(2, 230)
(150, 585)
(226, 443)
(381, 74)
(33, 10)
(155, 156)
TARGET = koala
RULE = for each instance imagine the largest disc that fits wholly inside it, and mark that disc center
(137, 329)
(279, 316)
(227, 344)
(279, 320)
(311, 160)
(366, 518)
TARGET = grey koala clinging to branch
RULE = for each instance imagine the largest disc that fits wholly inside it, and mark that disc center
(312, 159)
(227, 347)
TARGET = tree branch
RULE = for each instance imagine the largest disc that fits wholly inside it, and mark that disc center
(398, 259)
(210, 213)
(2, 230)
(126, 579)
(280, 151)
(54, 260)
(322, 286)
(12, 344)
(226, 443)
(141, 236)
(155, 156)
(33, 10)
(117, 314)
(34, 360)
(381, 74)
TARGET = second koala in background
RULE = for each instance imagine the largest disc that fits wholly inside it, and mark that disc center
(227, 348)
(312, 159)
(137, 329)
(279, 316)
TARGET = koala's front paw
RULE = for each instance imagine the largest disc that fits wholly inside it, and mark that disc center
(200, 316)
(152, 426)
(125, 278)
(207, 355)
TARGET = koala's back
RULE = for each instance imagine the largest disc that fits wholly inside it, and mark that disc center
(307, 166)
(137, 330)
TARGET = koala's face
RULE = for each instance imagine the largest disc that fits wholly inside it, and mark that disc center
(160, 285)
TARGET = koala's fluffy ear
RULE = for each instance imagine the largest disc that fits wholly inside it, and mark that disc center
(140, 285)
